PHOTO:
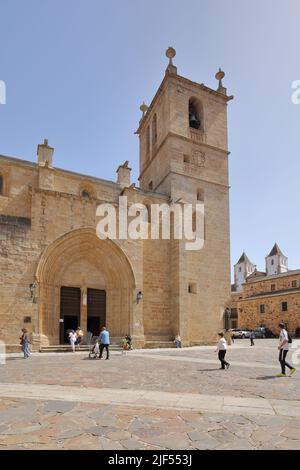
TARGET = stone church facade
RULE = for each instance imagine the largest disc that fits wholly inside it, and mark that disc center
(55, 273)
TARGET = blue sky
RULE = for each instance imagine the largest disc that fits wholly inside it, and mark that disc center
(77, 71)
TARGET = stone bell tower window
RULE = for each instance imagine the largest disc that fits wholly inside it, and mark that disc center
(1, 185)
(195, 114)
(85, 194)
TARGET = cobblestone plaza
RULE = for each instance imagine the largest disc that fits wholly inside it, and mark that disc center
(159, 399)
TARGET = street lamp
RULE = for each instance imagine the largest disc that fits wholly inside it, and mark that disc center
(32, 288)
(139, 296)
(227, 315)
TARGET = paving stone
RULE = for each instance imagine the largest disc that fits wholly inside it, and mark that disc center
(70, 433)
(132, 444)
(119, 435)
(222, 435)
(83, 442)
(291, 433)
(237, 444)
(21, 428)
(289, 444)
(136, 425)
(58, 406)
(201, 440)
(261, 436)
(100, 430)
(169, 441)
(23, 438)
(106, 420)
(108, 444)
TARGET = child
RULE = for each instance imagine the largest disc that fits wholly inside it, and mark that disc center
(221, 349)
(72, 339)
(177, 341)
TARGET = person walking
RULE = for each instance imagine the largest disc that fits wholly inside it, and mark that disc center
(104, 342)
(252, 337)
(283, 347)
(79, 334)
(221, 350)
(72, 339)
(25, 342)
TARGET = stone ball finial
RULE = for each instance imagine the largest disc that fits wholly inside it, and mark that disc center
(220, 74)
(170, 53)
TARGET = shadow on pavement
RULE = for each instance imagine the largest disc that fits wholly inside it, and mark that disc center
(266, 377)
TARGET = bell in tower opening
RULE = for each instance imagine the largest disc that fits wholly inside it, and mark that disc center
(195, 120)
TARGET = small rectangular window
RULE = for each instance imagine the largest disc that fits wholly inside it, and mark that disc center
(200, 194)
(284, 306)
(294, 283)
(186, 159)
(273, 287)
(151, 185)
(27, 319)
(1, 185)
(262, 308)
(148, 140)
(192, 288)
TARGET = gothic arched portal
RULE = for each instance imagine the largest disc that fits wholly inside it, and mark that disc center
(81, 260)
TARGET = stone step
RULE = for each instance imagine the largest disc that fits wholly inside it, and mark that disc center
(161, 338)
(68, 348)
(159, 344)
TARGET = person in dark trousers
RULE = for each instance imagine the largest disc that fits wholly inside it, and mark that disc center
(104, 342)
(283, 350)
(25, 342)
(221, 350)
(252, 337)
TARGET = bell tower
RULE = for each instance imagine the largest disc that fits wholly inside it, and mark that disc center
(184, 155)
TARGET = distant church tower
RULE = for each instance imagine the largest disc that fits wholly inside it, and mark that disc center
(184, 155)
(276, 261)
(242, 269)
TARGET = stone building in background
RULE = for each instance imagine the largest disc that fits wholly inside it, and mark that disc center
(57, 274)
(266, 298)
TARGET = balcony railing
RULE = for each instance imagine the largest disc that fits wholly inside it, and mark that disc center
(198, 135)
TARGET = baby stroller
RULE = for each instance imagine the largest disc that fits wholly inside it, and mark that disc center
(94, 349)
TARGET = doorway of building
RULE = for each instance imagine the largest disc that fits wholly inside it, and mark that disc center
(69, 311)
(96, 310)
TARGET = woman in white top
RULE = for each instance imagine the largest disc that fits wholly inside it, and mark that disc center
(73, 339)
(283, 350)
(221, 349)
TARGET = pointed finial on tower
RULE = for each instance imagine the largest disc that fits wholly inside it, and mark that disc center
(45, 154)
(219, 76)
(171, 53)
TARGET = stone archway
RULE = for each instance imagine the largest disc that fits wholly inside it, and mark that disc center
(107, 264)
